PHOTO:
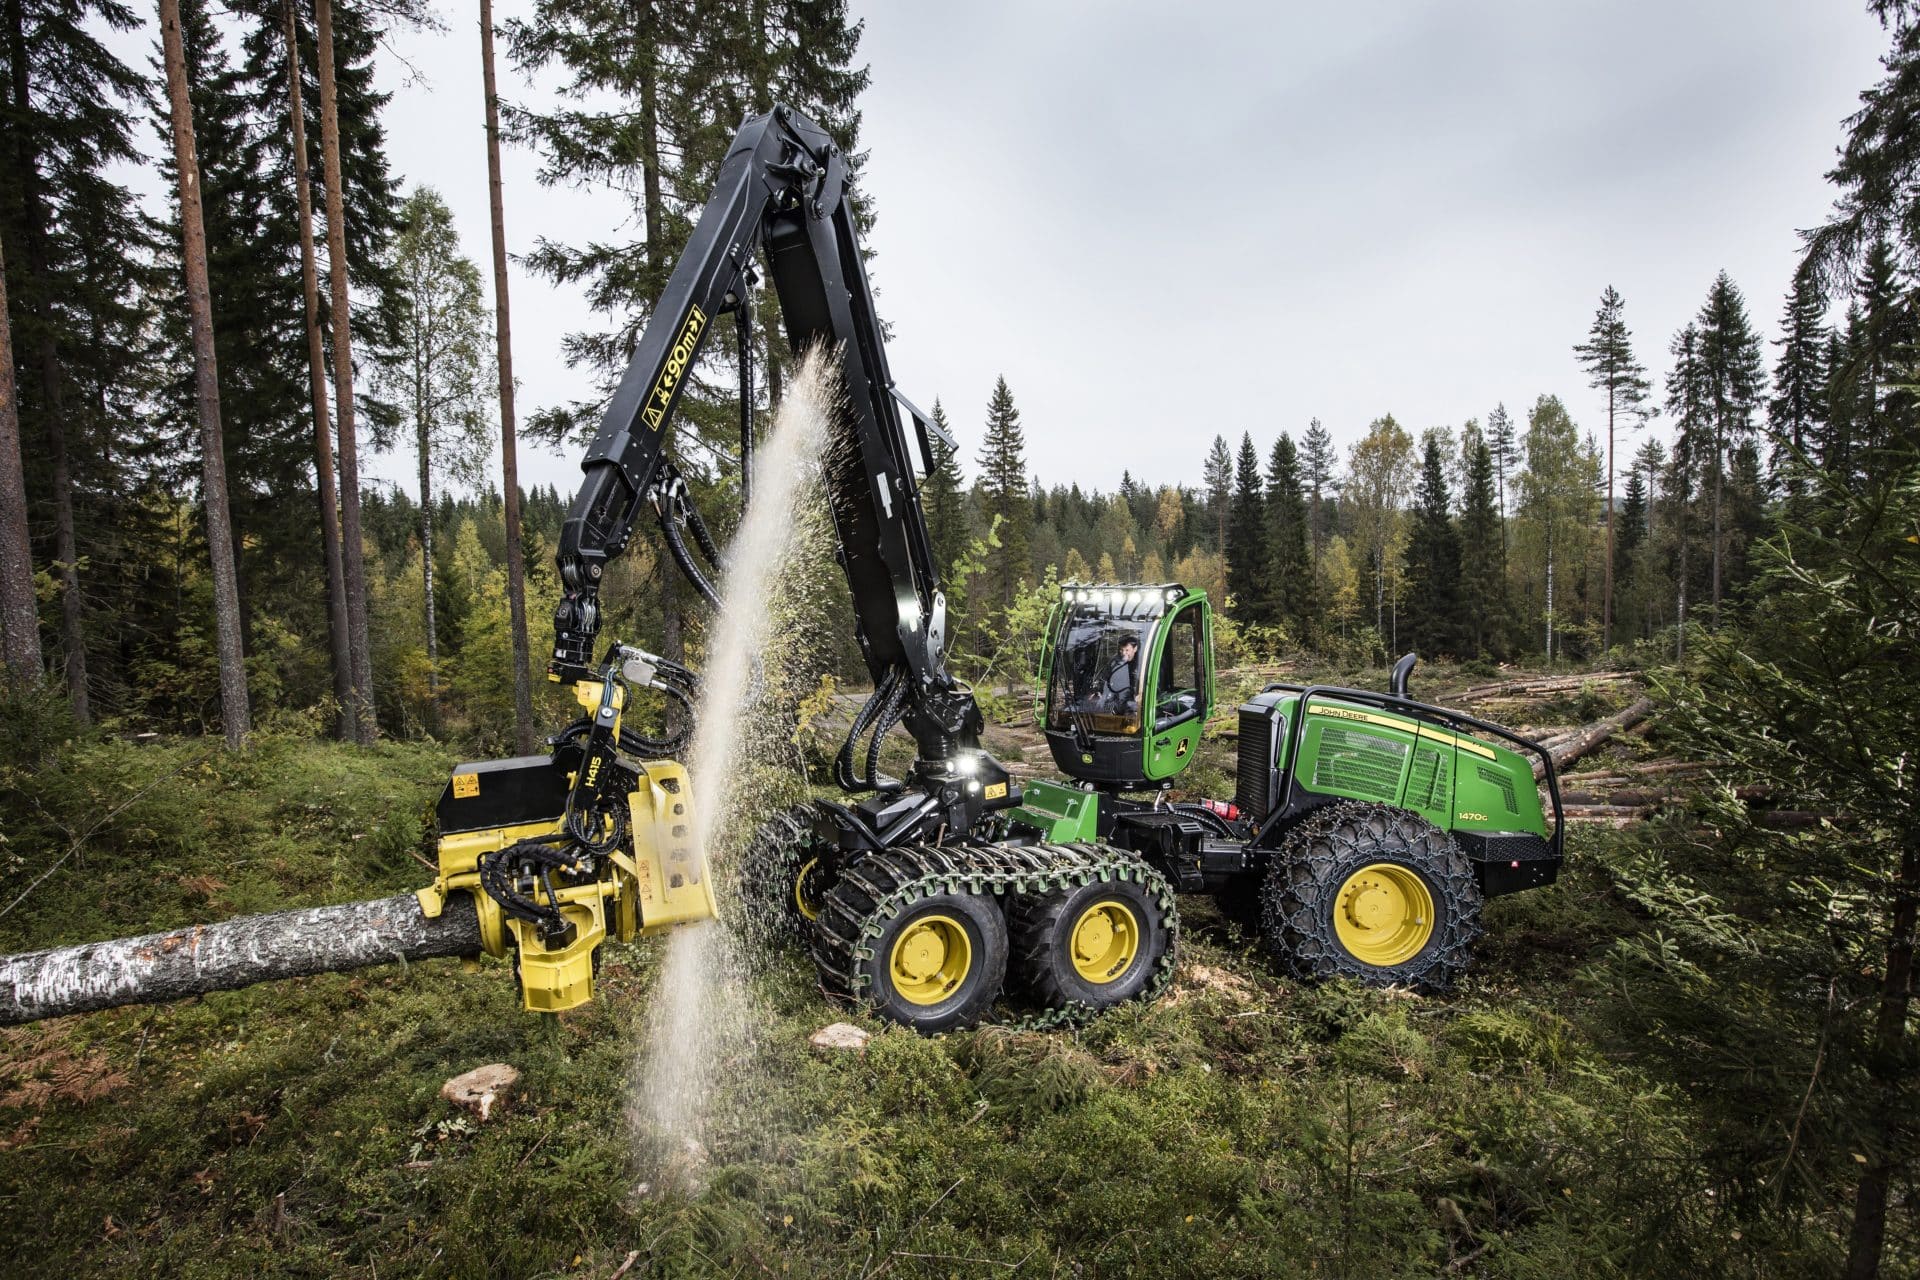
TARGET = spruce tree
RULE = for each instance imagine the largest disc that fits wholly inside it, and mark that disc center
(1607, 355)
(1503, 445)
(1319, 468)
(260, 340)
(1799, 403)
(943, 495)
(76, 283)
(1217, 476)
(1289, 558)
(1846, 357)
(1886, 406)
(1730, 364)
(1003, 491)
(1688, 406)
(1433, 560)
(1482, 577)
(1247, 540)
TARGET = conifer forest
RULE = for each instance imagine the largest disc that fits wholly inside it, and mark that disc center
(278, 535)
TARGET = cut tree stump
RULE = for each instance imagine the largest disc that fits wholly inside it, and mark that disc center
(234, 953)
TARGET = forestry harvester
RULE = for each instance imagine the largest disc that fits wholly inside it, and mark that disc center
(1365, 830)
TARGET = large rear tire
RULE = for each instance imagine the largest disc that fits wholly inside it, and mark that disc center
(1372, 893)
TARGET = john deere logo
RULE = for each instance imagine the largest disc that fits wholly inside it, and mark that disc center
(1086, 759)
(660, 399)
(1180, 751)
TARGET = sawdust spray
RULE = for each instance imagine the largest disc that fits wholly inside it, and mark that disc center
(758, 661)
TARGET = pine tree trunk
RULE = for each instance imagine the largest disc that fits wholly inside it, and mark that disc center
(1549, 592)
(426, 556)
(206, 384)
(352, 551)
(1888, 1065)
(234, 953)
(1680, 602)
(19, 611)
(1606, 610)
(503, 353)
(1718, 469)
(73, 633)
(329, 497)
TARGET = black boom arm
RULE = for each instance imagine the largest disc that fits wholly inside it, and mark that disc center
(785, 191)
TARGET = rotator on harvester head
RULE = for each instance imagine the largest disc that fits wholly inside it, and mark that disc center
(1365, 830)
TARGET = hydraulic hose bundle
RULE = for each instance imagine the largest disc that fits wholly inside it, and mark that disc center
(879, 714)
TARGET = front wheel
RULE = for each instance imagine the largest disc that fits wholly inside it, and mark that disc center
(1372, 893)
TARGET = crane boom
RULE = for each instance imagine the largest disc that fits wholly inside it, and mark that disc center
(785, 194)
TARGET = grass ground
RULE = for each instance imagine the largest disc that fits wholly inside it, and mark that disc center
(1242, 1126)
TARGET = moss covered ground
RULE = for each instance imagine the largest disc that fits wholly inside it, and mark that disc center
(1242, 1126)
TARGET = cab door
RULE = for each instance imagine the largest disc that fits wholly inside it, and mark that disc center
(1181, 677)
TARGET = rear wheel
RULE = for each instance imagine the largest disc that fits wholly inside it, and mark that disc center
(1373, 893)
(1095, 945)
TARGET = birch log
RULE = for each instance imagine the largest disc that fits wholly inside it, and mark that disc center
(235, 953)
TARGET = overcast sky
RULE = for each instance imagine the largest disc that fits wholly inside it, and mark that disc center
(1164, 222)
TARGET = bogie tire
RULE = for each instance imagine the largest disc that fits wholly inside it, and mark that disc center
(986, 933)
(1043, 928)
(1303, 884)
(771, 865)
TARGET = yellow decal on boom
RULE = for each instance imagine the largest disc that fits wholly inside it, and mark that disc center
(658, 399)
(466, 786)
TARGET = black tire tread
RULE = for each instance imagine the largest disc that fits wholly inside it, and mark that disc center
(1326, 848)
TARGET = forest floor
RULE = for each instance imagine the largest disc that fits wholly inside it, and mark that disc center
(1243, 1125)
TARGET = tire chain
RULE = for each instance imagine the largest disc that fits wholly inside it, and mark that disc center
(845, 932)
(1307, 946)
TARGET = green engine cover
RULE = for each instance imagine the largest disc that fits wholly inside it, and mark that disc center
(1454, 780)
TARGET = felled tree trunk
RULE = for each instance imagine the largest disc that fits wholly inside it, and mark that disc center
(1566, 751)
(235, 953)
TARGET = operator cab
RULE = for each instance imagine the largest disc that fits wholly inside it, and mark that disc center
(1126, 682)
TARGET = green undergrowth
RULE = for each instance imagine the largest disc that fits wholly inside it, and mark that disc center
(1241, 1126)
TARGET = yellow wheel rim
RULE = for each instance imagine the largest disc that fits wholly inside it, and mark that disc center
(1104, 942)
(930, 959)
(807, 909)
(1383, 915)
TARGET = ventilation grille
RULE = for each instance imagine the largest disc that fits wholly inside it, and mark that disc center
(1359, 764)
(1430, 784)
(1495, 778)
(1254, 789)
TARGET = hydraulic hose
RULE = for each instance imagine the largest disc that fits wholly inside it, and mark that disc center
(843, 774)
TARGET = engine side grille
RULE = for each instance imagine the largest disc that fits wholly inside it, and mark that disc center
(1495, 778)
(1430, 785)
(1359, 764)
